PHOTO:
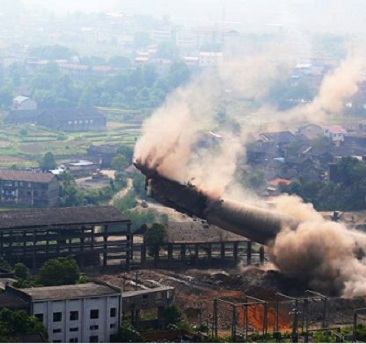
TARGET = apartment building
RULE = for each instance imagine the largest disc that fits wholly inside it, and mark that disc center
(28, 188)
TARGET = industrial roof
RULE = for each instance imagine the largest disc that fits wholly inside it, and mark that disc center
(44, 217)
(76, 291)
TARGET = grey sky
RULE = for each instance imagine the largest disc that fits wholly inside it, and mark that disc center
(325, 15)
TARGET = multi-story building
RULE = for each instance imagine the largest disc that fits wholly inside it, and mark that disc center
(81, 313)
(28, 188)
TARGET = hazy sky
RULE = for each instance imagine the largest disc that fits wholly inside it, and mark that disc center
(330, 14)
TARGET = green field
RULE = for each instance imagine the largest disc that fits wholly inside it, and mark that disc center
(23, 145)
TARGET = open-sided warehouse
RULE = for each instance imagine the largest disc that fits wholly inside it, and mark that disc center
(93, 235)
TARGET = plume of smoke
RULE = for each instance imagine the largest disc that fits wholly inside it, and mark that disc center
(335, 89)
(327, 255)
(168, 135)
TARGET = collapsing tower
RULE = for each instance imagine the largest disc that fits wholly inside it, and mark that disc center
(257, 224)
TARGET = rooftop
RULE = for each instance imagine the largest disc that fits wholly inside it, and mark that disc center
(76, 291)
(46, 217)
(26, 176)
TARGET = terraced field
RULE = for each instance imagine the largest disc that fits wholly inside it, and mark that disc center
(24, 145)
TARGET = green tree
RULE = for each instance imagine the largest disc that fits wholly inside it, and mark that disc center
(173, 315)
(126, 151)
(119, 62)
(59, 271)
(128, 334)
(154, 237)
(178, 75)
(139, 184)
(119, 162)
(52, 52)
(17, 323)
(48, 162)
(21, 270)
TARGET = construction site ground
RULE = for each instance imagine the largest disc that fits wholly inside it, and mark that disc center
(196, 290)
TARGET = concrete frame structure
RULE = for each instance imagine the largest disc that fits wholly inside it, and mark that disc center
(89, 234)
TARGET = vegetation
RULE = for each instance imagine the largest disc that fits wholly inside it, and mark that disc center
(128, 334)
(59, 271)
(154, 237)
(21, 271)
(173, 315)
(48, 162)
(346, 192)
(16, 323)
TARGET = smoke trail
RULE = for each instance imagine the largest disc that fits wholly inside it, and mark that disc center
(326, 255)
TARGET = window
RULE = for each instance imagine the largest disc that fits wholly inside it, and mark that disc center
(112, 326)
(56, 330)
(94, 327)
(74, 329)
(94, 313)
(39, 316)
(73, 340)
(57, 317)
(113, 312)
(74, 315)
(93, 339)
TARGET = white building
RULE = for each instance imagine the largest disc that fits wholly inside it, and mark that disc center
(24, 103)
(87, 313)
(209, 59)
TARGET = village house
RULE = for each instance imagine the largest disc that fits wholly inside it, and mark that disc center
(89, 119)
(28, 188)
(335, 133)
(85, 119)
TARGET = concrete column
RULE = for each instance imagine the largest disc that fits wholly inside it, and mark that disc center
(261, 255)
(235, 250)
(249, 252)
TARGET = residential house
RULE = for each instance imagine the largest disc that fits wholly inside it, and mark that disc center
(103, 154)
(311, 131)
(28, 188)
(279, 139)
(86, 119)
(81, 313)
(335, 133)
(24, 103)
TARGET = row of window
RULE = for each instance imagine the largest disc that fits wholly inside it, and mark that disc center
(74, 315)
(76, 329)
(80, 121)
(92, 339)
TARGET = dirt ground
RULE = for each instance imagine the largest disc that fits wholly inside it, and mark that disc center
(196, 290)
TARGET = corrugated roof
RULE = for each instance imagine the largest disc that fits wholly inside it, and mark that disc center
(44, 217)
(70, 292)
(26, 176)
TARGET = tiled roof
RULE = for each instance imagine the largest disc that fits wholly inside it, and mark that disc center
(26, 176)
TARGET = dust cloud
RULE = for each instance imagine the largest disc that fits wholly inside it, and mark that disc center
(325, 254)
